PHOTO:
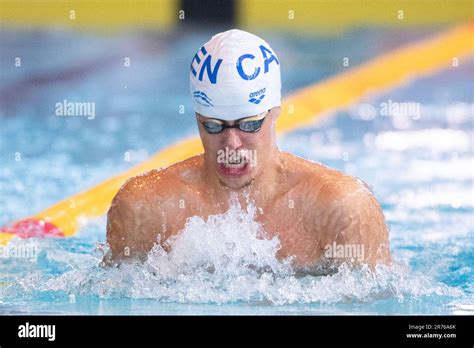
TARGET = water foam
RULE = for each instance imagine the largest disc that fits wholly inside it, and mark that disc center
(226, 259)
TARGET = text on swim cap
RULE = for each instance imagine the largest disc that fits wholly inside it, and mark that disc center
(212, 72)
(257, 93)
(206, 66)
(266, 62)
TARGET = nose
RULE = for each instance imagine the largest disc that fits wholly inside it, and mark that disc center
(232, 139)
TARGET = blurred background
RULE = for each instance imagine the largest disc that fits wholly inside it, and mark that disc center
(130, 59)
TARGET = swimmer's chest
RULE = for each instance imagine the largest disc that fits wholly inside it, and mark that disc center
(283, 219)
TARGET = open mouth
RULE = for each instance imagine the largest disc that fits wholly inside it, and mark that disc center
(234, 168)
(235, 162)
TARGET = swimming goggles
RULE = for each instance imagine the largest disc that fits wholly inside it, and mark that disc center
(248, 124)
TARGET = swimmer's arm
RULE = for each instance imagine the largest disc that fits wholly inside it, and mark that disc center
(130, 224)
(357, 221)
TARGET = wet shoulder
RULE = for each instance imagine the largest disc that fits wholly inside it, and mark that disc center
(319, 183)
(165, 183)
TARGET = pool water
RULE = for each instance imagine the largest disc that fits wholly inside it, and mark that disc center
(418, 164)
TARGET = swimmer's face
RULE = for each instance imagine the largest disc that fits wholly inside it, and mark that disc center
(234, 156)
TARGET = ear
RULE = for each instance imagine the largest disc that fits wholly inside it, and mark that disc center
(199, 125)
(274, 114)
(276, 111)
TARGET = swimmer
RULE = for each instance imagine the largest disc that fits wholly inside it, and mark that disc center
(317, 213)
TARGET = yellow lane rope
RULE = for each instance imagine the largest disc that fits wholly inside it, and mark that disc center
(299, 109)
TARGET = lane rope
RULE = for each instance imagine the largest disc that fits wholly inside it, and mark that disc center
(300, 109)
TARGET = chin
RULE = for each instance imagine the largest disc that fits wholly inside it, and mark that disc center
(236, 184)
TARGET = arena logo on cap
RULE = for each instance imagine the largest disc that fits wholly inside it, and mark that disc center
(256, 97)
(212, 71)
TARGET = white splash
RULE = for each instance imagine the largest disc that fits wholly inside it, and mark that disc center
(225, 259)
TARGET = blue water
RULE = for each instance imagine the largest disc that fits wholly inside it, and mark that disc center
(418, 164)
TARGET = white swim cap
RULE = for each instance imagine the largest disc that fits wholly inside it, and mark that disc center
(234, 75)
